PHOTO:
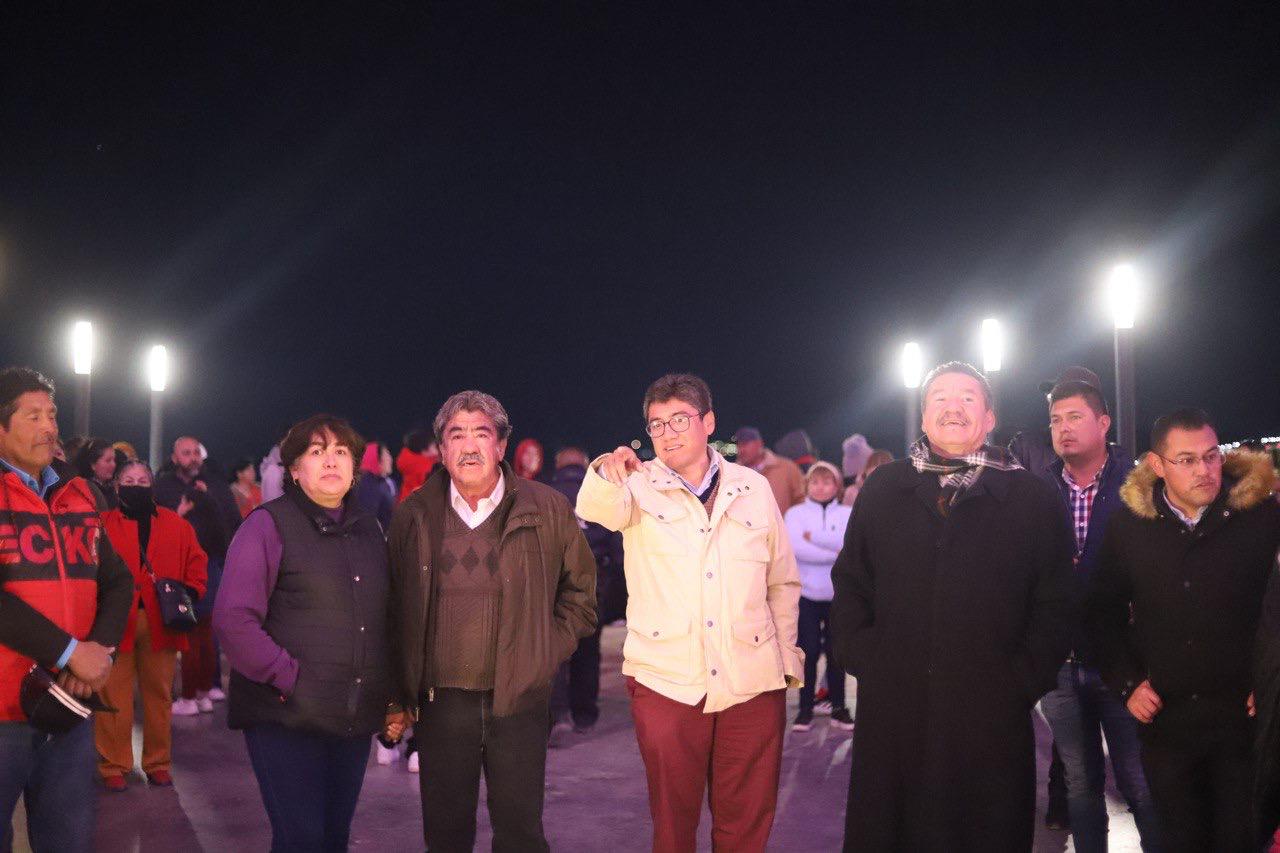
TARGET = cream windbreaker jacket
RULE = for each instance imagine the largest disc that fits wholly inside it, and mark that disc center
(713, 604)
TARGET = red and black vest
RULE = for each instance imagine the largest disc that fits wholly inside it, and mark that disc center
(49, 559)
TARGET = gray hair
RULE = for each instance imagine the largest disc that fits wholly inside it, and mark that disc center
(988, 395)
(472, 401)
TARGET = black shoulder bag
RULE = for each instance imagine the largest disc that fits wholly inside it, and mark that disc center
(176, 610)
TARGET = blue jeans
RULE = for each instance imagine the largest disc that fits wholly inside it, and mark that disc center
(1080, 711)
(310, 784)
(56, 775)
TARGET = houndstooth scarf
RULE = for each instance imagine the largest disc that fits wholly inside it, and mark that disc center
(957, 475)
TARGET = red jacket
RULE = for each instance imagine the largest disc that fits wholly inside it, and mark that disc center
(59, 578)
(173, 552)
(413, 468)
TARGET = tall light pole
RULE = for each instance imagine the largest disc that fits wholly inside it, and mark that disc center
(992, 336)
(82, 363)
(1122, 296)
(912, 365)
(158, 376)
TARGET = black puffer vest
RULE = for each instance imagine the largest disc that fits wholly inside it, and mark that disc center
(329, 611)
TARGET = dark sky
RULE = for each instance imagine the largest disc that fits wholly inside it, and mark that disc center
(364, 215)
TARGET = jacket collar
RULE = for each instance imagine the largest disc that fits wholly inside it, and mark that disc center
(1113, 469)
(518, 507)
(1248, 479)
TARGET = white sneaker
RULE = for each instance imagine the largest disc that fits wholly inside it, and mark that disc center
(822, 709)
(184, 708)
(413, 763)
(217, 695)
(386, 756)
(204, 704)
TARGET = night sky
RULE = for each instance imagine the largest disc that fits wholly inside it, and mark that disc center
(558, 204)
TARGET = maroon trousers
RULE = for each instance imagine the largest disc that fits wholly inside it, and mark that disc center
(198, 661)
(738, 751)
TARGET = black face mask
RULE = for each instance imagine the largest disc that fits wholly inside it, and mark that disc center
(137, 501)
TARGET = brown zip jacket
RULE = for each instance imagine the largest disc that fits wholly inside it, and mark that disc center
(548, 596)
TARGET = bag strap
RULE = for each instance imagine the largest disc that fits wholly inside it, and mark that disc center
(146, 564)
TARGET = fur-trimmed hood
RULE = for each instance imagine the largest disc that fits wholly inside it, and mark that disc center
(1249, 475)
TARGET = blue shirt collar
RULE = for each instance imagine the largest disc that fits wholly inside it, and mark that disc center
(712, 470)
(48, 478)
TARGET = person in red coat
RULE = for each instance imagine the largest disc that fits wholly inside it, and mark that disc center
(149, 651)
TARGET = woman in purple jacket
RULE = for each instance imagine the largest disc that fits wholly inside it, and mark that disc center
(302, 619)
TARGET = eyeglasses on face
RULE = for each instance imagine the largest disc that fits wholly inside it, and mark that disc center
(678, 422)
(1188, 462)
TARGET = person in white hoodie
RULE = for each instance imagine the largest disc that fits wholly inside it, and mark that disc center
(816, 529)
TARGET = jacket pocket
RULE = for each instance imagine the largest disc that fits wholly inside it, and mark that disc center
(756, 665)
(748, 532)
(659, 642)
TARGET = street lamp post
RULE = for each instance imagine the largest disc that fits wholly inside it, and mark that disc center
(912, 373)
(158, 376)
(1122, 294)
(82, 363)
(992, 336)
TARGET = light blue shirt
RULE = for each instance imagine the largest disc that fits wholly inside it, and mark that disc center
(48, 479)
(706, 481)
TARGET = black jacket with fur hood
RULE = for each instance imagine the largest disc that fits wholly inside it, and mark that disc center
(1196, 598)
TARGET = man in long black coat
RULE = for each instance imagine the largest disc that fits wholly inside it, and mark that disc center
(954, 607)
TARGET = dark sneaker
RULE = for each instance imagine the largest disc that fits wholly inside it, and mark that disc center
(841, 720)
(804, 722)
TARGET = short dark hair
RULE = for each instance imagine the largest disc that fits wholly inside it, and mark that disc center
(1075, 388)
(685, 387)
(16, 381)
(1188, 418)
(988, 396)
(246, 462)
(300, 435)
(416, 440)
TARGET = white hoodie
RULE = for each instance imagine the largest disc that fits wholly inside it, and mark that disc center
(816, 555)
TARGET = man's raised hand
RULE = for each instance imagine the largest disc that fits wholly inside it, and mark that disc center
(618, 465)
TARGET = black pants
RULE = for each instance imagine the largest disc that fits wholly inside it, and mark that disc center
(457, 737)
(576, 690)
(1202, 794)
(814, 638)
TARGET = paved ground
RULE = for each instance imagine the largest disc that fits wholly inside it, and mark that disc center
(596, 798)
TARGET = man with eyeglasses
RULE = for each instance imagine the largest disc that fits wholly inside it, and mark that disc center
(714, 596)
(1173, 610)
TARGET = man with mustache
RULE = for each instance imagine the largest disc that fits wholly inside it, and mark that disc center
(954, 607)
(492, 585)
(65, 596)
(1174, 608)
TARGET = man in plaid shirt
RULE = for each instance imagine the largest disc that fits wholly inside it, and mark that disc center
(1088, 474)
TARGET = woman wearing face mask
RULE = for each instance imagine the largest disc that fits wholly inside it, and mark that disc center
(302, 617)
(148, 652)
(816, 528)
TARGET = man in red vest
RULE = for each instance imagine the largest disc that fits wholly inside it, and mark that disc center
(64, 600)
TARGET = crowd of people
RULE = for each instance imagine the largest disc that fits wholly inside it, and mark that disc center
(450, 603)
